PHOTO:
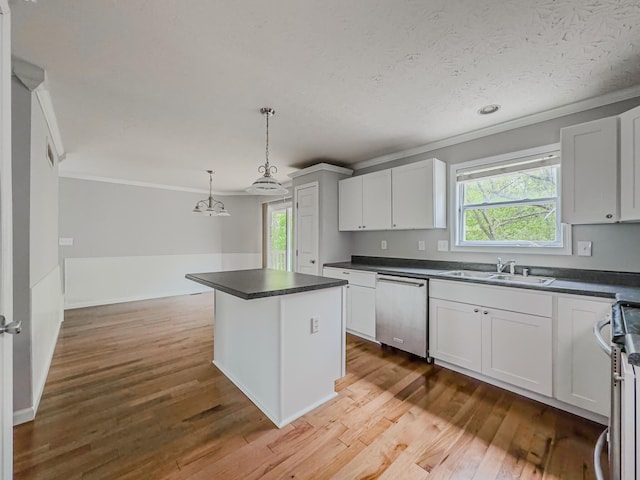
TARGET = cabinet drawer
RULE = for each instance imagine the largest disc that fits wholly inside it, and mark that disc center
(505, 298)
(354, 277)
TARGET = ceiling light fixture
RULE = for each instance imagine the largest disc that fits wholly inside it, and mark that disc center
(489, 109)
(210, 206)
(266, 184)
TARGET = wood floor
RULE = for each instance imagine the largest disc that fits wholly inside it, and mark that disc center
(132, 394)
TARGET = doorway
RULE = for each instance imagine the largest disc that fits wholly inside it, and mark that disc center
(278, 235)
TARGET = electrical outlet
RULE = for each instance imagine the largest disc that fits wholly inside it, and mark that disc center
(584, 248)
(65, 242)
(315, 324)
(421, 245)
(443, 246)
(383, 245)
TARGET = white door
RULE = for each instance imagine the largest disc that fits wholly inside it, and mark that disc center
(6, 275)
(306, 229)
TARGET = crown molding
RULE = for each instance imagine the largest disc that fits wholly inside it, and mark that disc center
(326, 167)
(135, 183)
(581, 106)
(30, 75)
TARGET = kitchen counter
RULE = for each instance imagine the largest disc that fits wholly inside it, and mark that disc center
(260, 283)
(572, 281)
(279, 337)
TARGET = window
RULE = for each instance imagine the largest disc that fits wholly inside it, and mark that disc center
(509, 201)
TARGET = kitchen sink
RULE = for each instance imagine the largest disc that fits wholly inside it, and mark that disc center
(468, 274)
(521, 279)
(499, 277)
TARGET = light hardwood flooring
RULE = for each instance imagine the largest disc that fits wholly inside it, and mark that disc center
(132, 394)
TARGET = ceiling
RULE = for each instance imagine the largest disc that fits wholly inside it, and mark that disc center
(158, 91)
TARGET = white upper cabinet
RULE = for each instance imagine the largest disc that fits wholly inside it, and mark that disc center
(630, 165)
(365, 202)
(589, 153)
(419, 195)
(350, 203)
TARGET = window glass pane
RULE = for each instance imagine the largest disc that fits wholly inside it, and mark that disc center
(524, 223)
(531, 184)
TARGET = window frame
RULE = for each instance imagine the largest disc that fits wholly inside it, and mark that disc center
(562, 247)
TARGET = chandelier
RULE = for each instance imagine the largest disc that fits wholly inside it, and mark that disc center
(210, 206)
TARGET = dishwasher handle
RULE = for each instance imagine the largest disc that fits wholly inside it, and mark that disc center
(398, 281)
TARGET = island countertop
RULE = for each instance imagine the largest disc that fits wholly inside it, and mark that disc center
(263, 282)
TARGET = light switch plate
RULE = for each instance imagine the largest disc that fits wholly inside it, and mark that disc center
(420, 244)
(584, 248)
(443, 246)
(65, 242)
(383, 244)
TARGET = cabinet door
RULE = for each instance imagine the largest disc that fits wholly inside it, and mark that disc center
(376, 200)
(582, 369)
(361, 311)
(418, 195)
(630, 165)
(517, 348)
(589, 153)
(350, 204)
(455, 333)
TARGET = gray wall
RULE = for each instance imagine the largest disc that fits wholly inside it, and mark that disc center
(615, 247)
(115, 220)
(21, 172)
(35, 228)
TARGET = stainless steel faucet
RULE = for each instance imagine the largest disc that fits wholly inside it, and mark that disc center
(500, 266)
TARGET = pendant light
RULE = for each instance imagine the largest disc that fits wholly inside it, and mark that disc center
(210, 206)
(266, 184)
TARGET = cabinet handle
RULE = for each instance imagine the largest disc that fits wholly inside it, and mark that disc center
(608, 215)
(364, 226)
(346, 273)
(394, 224)
(476, 310)
(486, 312)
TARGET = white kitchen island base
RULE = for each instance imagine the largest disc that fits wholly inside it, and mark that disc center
(266, 347)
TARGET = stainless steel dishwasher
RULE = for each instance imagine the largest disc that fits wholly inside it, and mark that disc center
(401, 313)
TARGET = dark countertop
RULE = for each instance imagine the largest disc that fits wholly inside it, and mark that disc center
(572, 281)
(260, 283)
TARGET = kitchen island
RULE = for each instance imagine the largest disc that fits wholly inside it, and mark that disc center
(279, 337)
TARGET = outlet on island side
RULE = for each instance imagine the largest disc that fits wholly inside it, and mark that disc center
(315, 324)
(421, 245)
(383, 245)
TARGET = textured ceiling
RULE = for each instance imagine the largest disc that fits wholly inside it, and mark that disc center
(160, 90)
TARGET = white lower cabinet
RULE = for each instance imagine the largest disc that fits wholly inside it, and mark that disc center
(512, 346)
(361, 300)
(454, 333)
(517, 349)
(361, 311)
(582, 369)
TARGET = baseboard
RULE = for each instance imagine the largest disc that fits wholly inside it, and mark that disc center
(135, 298)
(23, 416)
(595, 417)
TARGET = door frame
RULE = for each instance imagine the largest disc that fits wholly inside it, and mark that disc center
(6, 238)
(296, 189)
(270, 208)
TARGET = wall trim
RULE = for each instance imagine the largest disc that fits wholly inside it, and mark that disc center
(40, 388)
(23, 416)
(326, 167)
(576, 107)
(134, 298)
(135, 183)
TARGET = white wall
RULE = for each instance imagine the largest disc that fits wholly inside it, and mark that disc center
(132, 242)
(615, 246)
